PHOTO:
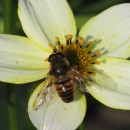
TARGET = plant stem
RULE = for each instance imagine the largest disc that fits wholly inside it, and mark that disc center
(81, 127)
(7, 16)
(12, 116)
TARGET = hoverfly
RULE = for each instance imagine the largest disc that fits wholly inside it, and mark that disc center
(62, 79)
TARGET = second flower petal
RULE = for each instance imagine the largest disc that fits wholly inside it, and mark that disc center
(50, 18)
(57, 115)
(110, 31)
(113, 76)
(20, 60)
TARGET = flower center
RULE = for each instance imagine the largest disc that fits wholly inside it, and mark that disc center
(79, 55)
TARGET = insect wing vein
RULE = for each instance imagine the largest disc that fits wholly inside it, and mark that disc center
(45, 94)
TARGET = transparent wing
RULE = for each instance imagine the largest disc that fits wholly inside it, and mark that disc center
(45, 94)
(92, 87)
(85, 84)
(79, 83)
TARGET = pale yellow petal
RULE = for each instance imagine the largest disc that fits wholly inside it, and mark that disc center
(20, 60)
(110, 31)
(57, 115)
(44, 20)
(113, 77)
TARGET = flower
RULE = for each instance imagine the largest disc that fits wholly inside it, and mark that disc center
(105, 39)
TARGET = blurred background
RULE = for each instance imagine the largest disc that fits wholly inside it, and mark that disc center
(14, 98)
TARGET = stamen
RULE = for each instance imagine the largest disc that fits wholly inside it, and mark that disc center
(89, 58)
(96, 54)
(62, 47)
(90, 51)
(53, 47)
(92, 62)
(89, 43)
(58, 40)
(81, 39)
(81, 46)
(95, 62)
(79, 56)
(55, 50)
(84, 73)
(92, 72)
(77, 41)
(69, 38)
(46, 59)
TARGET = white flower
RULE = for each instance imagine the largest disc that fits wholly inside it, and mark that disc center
(22, 59)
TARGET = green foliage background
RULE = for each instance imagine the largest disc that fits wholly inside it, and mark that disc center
(14, 98)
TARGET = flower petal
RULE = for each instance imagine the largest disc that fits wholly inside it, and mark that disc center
(113, 76)
(57, 115)
(46, 19)
(30, 24)
(20, 60)
(110, 31)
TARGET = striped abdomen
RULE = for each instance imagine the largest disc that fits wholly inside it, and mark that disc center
(65, 90)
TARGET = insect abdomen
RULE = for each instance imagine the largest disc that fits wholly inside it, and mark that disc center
(65, 90)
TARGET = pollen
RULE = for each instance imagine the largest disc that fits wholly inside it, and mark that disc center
(79, 54)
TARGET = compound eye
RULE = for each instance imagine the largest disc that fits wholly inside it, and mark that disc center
(56, 56)
(52, 57)
(60, 55)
